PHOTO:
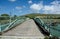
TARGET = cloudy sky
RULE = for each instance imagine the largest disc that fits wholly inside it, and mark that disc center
(21, 7)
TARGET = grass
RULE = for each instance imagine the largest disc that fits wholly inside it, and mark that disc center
(5, 21)
(51, 20)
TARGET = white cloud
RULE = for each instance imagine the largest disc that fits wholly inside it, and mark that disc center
(24, 6)
(20, 11)
(12, 0)
(18, 7)
(48, 8)
(55, 2)
(30, 1)
(56, 7)
(52, 9)
(36, 7)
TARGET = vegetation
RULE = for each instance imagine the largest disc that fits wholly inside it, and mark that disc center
(54, 37)
(49, 16)
(4, 17)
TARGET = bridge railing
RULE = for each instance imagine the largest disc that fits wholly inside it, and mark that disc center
(52, 29)
(3, 26)
(41, 23)
(12, 24)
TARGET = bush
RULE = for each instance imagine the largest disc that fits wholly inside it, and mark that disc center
(53, 37)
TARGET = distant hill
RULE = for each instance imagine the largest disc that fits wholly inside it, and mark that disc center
(47, 15)
(37, 14)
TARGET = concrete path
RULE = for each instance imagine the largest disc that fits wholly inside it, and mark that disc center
(28, 28)
(18, 38)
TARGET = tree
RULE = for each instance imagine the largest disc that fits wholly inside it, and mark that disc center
(4, 17)
(15, 16)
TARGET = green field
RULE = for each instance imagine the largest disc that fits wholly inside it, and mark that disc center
(5, 21)
(47, 18)
(51, 20)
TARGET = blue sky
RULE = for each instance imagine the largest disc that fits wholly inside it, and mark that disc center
(21, 7)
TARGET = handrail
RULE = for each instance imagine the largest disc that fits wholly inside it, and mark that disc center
(49, 28)
(47, 25)
(14, 23)
(9, 25)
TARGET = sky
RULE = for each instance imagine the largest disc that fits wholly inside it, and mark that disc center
(22, 7)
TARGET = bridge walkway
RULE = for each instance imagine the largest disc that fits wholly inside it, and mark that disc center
(27, 28)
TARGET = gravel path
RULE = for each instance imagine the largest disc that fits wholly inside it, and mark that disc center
(27, 29)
